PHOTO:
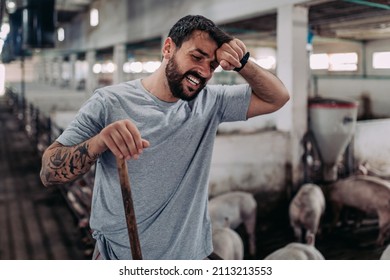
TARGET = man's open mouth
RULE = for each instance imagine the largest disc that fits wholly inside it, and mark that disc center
(194, 81)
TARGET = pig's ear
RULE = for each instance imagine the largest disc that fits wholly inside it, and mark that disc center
(362, 170)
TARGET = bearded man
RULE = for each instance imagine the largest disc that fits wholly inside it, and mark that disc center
(164, 125)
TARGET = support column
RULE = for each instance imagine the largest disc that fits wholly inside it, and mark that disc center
(292, 69)
(45, 69)
(91, 80)
(40, 64)
(119, 58)
(60, 61)
(52, 71)
(72, 62)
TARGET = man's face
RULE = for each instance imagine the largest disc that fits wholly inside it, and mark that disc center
(186, 85)
(191, 67)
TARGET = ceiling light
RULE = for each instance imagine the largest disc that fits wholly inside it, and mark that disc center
(94, 17)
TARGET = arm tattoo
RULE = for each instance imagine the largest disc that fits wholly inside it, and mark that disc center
(67, 163)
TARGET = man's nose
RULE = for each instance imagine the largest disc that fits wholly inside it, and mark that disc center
(205, 71)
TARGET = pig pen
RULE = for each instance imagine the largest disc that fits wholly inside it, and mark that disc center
(347, 242)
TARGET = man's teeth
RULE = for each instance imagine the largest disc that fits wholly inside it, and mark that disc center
(193, 80)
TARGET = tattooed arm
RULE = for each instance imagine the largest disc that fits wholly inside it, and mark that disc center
(62, 164)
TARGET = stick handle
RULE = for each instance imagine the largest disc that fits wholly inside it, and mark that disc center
(129, 209)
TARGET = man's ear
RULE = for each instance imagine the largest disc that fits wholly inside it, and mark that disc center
(168, 48)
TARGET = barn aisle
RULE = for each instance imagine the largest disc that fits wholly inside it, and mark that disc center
(35, 222)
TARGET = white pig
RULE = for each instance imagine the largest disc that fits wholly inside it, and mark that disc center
(366, 193)
(306, 210)
(386, 253)
(296, 251)
(227, 244)
(236, 207)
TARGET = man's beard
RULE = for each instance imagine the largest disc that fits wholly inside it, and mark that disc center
(175, 79)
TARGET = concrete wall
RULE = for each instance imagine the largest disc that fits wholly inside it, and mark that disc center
(255, 163)
(372, 145)
(349, 87)
(249, 162)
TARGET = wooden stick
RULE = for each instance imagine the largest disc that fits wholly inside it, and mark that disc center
(129, 210)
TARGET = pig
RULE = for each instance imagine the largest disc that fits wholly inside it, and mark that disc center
(296, 251)
(368, 194)
(236, 207)
(366, 169)
(228, 244)
(305, 211)
(386, 254)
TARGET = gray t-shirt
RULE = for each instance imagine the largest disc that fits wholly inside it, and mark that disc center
(169, 181)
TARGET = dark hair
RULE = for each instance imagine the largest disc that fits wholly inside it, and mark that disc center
(182, 30)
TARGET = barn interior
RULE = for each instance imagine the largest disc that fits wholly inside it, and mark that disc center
(332, 56)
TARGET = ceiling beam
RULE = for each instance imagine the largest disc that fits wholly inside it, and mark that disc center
(370, 4)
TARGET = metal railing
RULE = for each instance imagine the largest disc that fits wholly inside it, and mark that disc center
(39, 127)
(42, 131)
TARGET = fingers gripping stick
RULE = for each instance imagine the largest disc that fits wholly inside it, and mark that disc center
(129, 209)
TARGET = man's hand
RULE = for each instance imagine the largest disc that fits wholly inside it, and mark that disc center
(123, 139)
(62, 164)
(230, 54)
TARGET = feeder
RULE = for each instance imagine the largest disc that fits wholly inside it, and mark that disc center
(332, 123)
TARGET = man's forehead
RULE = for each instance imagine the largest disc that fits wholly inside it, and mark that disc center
(202, 42)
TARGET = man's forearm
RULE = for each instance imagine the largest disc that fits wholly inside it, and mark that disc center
(265, 85)
(61, 164)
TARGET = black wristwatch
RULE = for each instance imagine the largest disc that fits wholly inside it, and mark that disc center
(243, 62)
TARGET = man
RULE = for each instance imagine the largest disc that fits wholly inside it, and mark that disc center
(165, 125)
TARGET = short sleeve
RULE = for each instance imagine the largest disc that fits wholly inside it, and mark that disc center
(88, 122)
(233, 101)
